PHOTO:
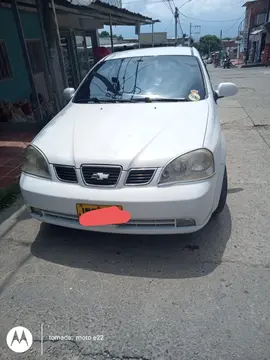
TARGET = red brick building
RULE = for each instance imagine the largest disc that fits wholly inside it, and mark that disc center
(257, 36)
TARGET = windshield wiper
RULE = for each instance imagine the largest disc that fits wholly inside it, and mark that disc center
(100, 100)
(149, 99)
(87, 101)
(132, 100)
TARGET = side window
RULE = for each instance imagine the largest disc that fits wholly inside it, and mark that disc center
(5, 67)
(205, 66)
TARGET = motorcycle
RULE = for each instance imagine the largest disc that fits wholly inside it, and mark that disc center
(227, 63)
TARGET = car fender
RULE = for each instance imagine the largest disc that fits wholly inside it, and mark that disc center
(220, 169)
(215, 140)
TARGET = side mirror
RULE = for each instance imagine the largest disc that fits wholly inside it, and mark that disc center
(226, 89)
(68, 93)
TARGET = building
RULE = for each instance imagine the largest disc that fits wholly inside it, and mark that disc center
(46, 46)
(230, 47)
(256, 33)
(153, 39)
(117, 3)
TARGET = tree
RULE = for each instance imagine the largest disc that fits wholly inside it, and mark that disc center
(209, 42)
(227, 38)
(104, 33)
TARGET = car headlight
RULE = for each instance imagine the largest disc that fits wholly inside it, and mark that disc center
(35, 163)
(195, 165)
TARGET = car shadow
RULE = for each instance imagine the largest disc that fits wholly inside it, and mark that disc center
(235, 190)
(155, 256)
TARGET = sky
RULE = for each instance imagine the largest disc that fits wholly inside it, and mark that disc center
(212, 15)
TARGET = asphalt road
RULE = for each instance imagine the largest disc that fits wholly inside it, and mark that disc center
(200, 296)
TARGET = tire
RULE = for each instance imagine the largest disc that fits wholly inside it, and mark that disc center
(223, 194)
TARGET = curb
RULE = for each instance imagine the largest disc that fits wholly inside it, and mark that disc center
(11, 221)
(252, 66)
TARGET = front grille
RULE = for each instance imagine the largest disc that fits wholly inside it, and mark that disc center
(169, 223)
(54, 215)
(66, 173)
(140, 176)
(101, 175)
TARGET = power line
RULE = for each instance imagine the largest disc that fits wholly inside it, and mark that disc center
(174, 13)
(204, 2)
(178, 20)
(230, 28)
(188, 17)
(168, 25)
(140, 1)
(167, 2)
(180, 26)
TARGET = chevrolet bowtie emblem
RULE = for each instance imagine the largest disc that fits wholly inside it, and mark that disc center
(100, 176)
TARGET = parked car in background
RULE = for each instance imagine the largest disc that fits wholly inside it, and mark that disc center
(142, 132)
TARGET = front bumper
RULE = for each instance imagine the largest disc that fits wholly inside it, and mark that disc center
(153, 210)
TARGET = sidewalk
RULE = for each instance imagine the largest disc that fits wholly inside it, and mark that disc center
(12, 147)
(251, 65)
(237, 62)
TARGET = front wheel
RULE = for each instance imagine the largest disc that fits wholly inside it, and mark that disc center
(223, 194)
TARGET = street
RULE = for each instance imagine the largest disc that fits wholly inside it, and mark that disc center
(193, 297)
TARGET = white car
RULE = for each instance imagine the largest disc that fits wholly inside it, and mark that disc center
(141, 132)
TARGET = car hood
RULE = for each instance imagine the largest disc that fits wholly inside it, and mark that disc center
(130, 135)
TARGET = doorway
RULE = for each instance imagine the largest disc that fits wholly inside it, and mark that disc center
(37, 63)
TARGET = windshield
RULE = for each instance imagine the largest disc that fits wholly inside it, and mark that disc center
(144, 78)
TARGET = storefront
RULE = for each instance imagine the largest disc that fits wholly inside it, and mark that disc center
(46, 46)
(257, 42)
(267, 41)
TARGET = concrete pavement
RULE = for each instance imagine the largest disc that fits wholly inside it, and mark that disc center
(194, 297)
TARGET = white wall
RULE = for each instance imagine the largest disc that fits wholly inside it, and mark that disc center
(159, 38)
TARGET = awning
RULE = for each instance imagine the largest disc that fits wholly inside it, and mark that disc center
(256, 32)
(97, 11)
(102, 11)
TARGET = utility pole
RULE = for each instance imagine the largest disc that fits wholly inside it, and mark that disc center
(176, 17)
(193, 32)
(153, 43)
(220, 47)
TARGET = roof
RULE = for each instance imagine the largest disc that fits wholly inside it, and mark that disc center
(98, 11)
(153, 51)
(102, 11)
(256, 32)
(115, 46)
(251, 2)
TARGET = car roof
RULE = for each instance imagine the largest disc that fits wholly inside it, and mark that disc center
(154, 51)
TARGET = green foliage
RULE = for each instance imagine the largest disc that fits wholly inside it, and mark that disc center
(207, 42)
(104, 33)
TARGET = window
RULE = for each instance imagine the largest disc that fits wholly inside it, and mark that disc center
(165, 76)
(36, 55)
(260, 19)
(5, 67)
